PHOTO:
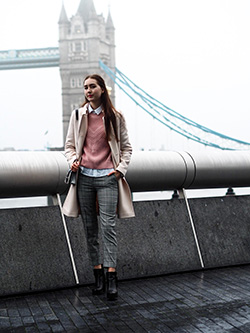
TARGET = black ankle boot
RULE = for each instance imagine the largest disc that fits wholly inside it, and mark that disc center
(112, 284)
(99, 282)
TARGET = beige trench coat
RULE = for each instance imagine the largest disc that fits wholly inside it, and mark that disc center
(121, 154)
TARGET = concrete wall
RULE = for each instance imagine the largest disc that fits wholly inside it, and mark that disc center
(159, 240)
(223, 229)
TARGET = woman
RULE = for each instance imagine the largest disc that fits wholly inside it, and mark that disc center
(97, 148)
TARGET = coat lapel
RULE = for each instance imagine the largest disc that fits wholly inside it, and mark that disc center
(114, 148)
(82, 129)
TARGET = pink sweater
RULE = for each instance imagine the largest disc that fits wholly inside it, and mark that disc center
(96, 150)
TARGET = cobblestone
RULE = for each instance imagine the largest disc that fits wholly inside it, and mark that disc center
(216, 300)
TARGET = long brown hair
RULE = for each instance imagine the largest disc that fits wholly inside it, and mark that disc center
(109, 110)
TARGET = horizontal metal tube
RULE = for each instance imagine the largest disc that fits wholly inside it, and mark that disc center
(221, 169)
(25, 174)
(160, 170)
(157, 171)
(42, 173)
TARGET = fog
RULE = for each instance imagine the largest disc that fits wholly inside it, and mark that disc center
(192, 55)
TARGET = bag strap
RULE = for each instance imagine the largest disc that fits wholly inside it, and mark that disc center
(77, 114)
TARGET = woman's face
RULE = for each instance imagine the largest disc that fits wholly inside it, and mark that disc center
(93, 91)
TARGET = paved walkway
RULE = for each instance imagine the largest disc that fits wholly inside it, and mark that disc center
(210, 301)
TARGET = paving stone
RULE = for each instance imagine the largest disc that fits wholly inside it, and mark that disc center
(16, 330)
(5, 322)
(43, 327)
(28, 320)
(39, 319)
(31, 329)
(56, 327)
(15, 322)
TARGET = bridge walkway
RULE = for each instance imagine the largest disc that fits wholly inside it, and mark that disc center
(216, 300)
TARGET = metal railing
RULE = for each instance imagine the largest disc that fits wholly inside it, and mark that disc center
(24, 174)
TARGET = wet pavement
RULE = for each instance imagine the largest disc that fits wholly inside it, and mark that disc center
(216, 300)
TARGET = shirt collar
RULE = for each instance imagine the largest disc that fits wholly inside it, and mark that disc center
(96, 111)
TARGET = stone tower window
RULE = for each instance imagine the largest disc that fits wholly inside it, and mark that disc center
(78, 47)
(72, 83)
(79, 83)
(78, 29)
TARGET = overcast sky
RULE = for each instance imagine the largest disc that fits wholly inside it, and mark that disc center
(192, 55)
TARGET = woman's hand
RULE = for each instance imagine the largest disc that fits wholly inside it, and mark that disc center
(117, 174)
(75, 166)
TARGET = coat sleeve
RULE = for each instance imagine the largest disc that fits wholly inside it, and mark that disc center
(70, 142)
(125, 147)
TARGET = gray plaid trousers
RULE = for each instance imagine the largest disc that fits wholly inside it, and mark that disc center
(106, 190)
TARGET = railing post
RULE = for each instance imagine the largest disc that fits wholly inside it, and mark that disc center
(184, 195)
(68, 240)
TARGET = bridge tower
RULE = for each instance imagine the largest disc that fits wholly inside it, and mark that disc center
(83, 40)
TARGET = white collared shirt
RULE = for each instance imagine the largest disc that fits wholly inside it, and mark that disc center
(96, 111)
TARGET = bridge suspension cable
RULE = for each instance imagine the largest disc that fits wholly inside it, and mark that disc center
(172, 119)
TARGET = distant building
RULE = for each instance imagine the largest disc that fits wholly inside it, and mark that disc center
(83, 40)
